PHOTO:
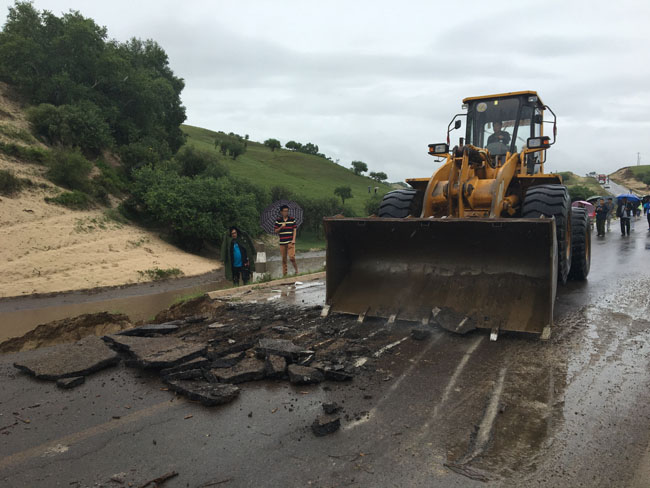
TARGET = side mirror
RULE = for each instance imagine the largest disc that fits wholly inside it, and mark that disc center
(457, 124)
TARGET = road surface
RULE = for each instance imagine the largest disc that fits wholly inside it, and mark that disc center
(450, 411)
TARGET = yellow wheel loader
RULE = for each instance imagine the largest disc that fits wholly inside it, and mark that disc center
(480, 244)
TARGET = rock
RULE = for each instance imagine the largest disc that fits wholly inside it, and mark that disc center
(331, 408)
(150, 330)
(326, 424)
(156, 352)
(282, 329)
(420, 334)
(67, 383)
(209, 394)
(225, 349)
(334, 372)
(279, 347)
(453, 321)
(195, 319)
(276, 366)
(228, 361)
(249, 369)
(70, 360)
(304, 375)
(192, 364)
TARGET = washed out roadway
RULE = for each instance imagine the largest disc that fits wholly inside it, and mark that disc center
(449, 411)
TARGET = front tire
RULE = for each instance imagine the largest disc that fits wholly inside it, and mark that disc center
(399, 204)
(553, 201)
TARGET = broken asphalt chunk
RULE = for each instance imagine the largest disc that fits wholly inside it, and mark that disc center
(209, 394)
(326, 424)
(279, 347)
(275, 366)
(80, 358)
(304, 375)
(68, 383)
(150, 330)
(156, 352)
(249, 369)
(331, 408)
(420, 334)
(228, 361)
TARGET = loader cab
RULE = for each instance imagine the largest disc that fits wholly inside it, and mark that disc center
(503, 123)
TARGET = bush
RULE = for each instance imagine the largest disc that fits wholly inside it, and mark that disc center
(373, 204)
(114, 180)
(9, 183)
(79, 125)
(28, 153)
(69, 168)
(193, 209)
(281, 193)
(193, 162)
(314, 210)
(579, 192)
(146, 152)
(75, 200)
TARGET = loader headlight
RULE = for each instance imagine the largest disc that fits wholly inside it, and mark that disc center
(538, 142)
(438, 149)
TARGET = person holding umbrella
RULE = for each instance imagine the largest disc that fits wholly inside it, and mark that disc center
(601, 217)
(237, 253)
(285, 227)
(625, 212)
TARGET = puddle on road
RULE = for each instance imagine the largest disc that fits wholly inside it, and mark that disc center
(141, 307)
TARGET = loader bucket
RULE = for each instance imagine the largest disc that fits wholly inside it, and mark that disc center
(462, 273)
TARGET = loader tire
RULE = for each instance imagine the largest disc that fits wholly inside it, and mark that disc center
(553, 201)
(399, 204)
(580, 244)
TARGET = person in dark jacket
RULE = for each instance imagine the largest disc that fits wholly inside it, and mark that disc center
(601, 217)
(625, 212)
(237, 253)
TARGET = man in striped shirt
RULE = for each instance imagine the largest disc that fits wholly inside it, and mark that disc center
(286, 228)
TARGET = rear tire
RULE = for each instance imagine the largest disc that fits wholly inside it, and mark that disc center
(580, 244)
(553, 201)
(399, 204)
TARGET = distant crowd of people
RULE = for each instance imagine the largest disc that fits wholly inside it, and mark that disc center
(626, 211)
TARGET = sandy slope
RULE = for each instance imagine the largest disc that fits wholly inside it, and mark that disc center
(625, 178)
(47, 248)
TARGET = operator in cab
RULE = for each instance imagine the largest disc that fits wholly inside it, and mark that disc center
(499, 135)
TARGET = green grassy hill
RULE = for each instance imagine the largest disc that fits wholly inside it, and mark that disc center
(304, 174)
(581, 186)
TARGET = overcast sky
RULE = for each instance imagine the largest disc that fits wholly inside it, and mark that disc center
(377, 81)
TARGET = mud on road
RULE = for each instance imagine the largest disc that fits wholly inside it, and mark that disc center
(417, 408)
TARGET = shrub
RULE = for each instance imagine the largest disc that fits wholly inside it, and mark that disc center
(193, 162)
(373, 204)
(9, 183)
(579, 192)
(281, 193)
(75, 200)
(142, 153)
(69, 168)
(161, 274)
(79, 125)
(28, 153)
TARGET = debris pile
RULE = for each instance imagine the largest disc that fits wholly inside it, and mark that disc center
(209, 355)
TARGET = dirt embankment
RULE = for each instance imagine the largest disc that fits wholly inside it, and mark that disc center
(46, 248)
(626, 177)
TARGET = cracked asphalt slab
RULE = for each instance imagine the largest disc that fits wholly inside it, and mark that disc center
(448, 411)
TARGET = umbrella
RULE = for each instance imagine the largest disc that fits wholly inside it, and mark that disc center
(272, 213)
(594, 197)
(629, 196)
(591, 210)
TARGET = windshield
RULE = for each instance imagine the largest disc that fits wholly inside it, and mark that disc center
(492, 124)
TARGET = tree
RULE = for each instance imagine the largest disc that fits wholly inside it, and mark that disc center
(380, 176)
(236, 149)
(579, 192)
(293, 145)
(272, 144)
(246, 137)
(359, 167)
(343, 192)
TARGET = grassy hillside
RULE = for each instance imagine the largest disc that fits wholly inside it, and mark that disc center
(581, 186)
(304, 174)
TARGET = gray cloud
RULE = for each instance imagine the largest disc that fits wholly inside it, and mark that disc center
(378, 81)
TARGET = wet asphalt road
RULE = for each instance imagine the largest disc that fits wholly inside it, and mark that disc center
(451, 411)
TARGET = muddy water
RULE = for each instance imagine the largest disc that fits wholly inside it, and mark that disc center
(141, 303)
